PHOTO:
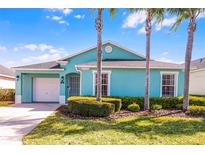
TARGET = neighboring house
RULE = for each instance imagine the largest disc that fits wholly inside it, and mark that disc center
(7, 78)
(197, 77)
(123, 75)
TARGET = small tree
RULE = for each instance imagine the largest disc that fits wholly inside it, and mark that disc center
(191, 15)
(99, 26)
(158, 15)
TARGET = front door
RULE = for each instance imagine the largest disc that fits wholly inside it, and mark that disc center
(74, 85)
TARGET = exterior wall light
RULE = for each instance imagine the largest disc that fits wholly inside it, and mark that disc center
(62, 80)
(17, 77)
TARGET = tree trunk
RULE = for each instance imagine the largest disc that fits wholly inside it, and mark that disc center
(99, 55)
(189, 47)
(147, 76)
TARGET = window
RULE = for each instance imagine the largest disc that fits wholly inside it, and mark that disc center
(169, 82)
(105, 83)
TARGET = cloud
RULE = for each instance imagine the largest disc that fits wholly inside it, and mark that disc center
(141, 31)
(78, 16)
(134, 19)
(40, 47)
(165, 59)
(63, 22)
(56, 18)
(165, 53)
(3, 48)
(165, 23)
(42, 58)
(59, 19)
(64, 11)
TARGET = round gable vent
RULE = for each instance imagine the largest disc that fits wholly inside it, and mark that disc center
(108, 49)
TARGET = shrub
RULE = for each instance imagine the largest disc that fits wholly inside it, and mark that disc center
(196, 110)
(134, 107)
(166, 102)
(117, 102)
(91, 108)
(195, 100)
(179, 106)
(156, 107)
(7, 94)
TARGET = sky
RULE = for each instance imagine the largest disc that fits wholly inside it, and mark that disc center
(30, 36)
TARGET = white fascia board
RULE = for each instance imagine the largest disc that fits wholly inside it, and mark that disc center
(8, 76)
(33, 69)
(85, 66)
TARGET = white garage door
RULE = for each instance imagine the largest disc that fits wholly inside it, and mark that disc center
(46, 90)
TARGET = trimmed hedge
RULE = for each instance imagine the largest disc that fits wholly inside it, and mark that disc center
(165, 102)
(156, 107)
(7, 94)
(196, 110)
(91, 108)
(133, 107)
(117, 102)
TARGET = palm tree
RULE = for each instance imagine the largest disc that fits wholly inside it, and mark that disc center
(99, 26)
(191, 15)
(158, 15)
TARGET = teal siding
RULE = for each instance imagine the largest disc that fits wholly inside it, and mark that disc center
(130, 82)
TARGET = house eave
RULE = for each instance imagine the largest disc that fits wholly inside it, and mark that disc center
(8, 76)
(83, 66)
(34, 69)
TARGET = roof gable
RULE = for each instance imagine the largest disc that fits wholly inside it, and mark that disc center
(4, 71)
(118, 52)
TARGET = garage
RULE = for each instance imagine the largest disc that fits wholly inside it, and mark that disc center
(46, 90)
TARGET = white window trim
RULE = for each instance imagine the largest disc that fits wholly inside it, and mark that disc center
(176, 75)
(109, 74)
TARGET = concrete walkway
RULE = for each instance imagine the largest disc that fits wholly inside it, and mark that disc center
(19, 119)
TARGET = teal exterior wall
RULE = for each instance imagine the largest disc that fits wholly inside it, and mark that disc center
(124, 82)
(130, 82)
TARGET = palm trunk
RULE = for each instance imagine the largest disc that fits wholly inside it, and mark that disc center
(189, 47)
(99, 55)
(147, 76)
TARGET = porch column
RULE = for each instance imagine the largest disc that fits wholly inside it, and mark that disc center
(18, 93)
(62, 97)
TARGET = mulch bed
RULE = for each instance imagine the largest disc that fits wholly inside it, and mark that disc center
(124, 113)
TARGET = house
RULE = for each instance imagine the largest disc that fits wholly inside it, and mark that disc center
(7, 78)
(197, 77)
(123, 74)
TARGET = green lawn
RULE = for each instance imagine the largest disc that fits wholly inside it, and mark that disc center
(6, 103)
(58, 129)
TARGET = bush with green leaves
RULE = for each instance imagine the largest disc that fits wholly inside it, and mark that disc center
(196, 110)
(7, 94)
(156, 107)
(133, 107)
(179, 106)
(91, 108)
(116, 101)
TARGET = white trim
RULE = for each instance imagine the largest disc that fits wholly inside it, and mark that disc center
(109, 74)
(36, 69)
(197, 70)
(176, 76)
(62, 100)
(8, 76)
(62, 62)
(106, 42)
(18, 99)
(78, 70)
(87, 66)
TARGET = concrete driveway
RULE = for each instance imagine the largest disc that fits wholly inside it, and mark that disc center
(19, 119)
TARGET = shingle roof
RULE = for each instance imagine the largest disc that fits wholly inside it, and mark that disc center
(6, 71)
(133, 64)
(46, 65)
(198, 63)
